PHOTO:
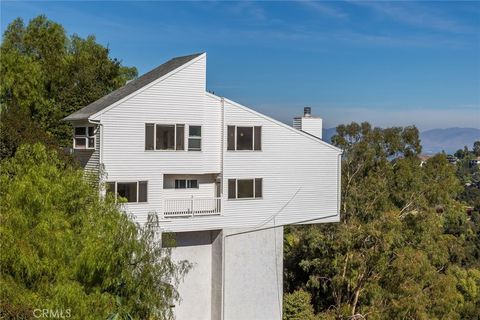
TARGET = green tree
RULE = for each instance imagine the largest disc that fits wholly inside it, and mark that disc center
(297, 306)
(65, 248)
(469, 175)
(400, 237)
(460, 153)
(476, 148)
(46, 75)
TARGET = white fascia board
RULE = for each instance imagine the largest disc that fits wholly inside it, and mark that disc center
(96, 115)
(340, 151)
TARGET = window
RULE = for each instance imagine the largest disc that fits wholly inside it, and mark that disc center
(194, 138)
(149, 136)
(180, 137)
(232, 188)
(186, 184)
(180, 184)
(258, 188)
(231, 138)
(84, 138)
(192, 184)
(142, 191)
(164, 136)
(244, 188)
(257, 143)
(244, 138)
(127, 191)
(133, 192)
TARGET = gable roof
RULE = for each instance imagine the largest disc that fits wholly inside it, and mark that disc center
(130, 87)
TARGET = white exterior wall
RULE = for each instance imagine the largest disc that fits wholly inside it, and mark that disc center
(251, 269)
(312, 125)
(178, 98)
(300, 173)
(301, 181)
(196, 288)
(253, 281)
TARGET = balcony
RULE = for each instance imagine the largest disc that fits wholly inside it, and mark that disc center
(192, 207)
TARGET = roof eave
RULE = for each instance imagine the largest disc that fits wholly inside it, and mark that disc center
(73, 118)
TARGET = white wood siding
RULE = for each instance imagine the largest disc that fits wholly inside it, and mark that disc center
(89, 159)
(300, 173)
(178, 99)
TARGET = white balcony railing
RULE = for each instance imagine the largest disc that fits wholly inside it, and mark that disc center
(188, 207)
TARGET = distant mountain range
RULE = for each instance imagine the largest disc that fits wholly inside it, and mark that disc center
(436, 140)
(327, 134)
(450, 139)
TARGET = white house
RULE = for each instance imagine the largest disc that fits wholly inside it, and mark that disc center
(223, 178)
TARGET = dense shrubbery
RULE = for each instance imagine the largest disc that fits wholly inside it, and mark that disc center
(297, 306)
(65, 248)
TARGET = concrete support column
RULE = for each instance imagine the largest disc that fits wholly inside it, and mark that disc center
(253, 280)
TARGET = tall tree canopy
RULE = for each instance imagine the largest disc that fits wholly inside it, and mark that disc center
(46, 75)
(65, 248)
(404, 249)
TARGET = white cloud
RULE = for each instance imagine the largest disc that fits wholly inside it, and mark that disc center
(324, 9)
(416, 15)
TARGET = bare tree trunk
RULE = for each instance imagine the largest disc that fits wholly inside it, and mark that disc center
(355, 301)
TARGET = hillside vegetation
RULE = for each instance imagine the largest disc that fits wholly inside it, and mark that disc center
(406, 247)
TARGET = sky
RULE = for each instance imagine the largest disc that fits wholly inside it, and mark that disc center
(389, 63)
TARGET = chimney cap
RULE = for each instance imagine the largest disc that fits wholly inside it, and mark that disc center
(307, 112)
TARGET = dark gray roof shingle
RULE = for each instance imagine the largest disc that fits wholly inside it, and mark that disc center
(130, 88)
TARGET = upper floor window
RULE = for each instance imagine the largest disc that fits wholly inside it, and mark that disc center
(244, 138)
(245, 188)
(164, 136)
(186, 184)
(194, 138)
(84, 138)
(133, 192)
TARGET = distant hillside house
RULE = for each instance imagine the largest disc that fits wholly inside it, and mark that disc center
(452, 159)
(423, 159)
(223, 178)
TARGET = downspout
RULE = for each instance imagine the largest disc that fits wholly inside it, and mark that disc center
(222, 155)
(222, 143)
(339, 183)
